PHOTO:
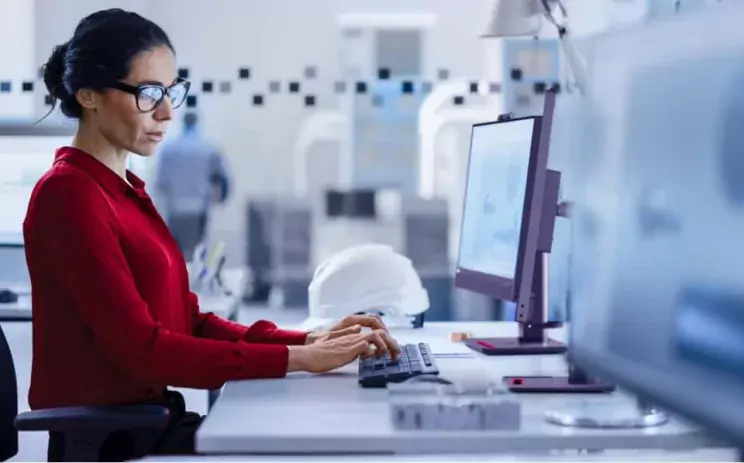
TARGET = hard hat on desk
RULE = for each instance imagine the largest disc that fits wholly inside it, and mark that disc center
(366, 278)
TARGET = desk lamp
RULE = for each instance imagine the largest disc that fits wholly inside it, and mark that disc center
(522, 18)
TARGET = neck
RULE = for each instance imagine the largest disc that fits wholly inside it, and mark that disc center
(89, 139)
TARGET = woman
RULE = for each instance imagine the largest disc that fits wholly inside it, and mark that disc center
(114, 320)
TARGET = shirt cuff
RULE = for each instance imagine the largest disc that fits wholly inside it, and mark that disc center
(289, 337)
(264, 360)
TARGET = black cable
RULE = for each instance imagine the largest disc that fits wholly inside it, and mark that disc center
(561, 27)
(548, 13)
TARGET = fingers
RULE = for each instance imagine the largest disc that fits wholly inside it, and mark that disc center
(368, 321)
(375, 339)
(355, 329)
(391, 343)
(361, 349)
(379, 342)
(382, 342)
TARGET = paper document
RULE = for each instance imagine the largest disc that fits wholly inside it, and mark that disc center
(439, 346)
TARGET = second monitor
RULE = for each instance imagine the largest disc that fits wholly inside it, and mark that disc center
(511, 202)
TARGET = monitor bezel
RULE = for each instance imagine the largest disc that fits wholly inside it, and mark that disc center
(495, 286)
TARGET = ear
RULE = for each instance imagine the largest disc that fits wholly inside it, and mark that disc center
(88, 99)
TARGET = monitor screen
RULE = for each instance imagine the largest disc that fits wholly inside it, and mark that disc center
(13, 271)
(24, 158)
(494, 197)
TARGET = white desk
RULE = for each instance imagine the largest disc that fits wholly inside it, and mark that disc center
(331, 414)
(636, 456)
(19, 311)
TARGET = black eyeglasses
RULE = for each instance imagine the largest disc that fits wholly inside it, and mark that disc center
(150, 96)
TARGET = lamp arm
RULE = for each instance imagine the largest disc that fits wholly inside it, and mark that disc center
(572, 56)
(574, 61)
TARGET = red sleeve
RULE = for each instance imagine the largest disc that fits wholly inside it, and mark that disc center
(75, 227)
(208, 325)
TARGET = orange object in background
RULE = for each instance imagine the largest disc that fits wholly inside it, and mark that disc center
(459, 336)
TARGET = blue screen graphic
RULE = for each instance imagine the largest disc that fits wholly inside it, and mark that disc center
(494, 197)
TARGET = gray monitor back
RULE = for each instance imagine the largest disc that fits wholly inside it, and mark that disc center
(657, 280)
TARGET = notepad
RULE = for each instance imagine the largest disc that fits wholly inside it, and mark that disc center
(438, 346)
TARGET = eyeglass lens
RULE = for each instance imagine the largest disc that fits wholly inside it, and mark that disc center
(149, 97)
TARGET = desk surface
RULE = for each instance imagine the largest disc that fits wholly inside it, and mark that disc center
(611, 456)
(16, 311)
(330, 413)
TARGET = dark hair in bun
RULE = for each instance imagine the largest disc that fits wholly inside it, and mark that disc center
(99, 53)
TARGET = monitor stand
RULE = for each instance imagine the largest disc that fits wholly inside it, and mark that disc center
(578, 380)
(532, 339)
(608, 416)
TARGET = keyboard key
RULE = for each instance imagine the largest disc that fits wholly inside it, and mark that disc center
(414, 359)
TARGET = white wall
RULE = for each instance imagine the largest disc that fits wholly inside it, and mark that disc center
(277, 40)
(16, 61)
(54, 23)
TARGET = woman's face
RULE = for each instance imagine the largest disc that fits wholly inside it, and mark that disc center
(117, 115)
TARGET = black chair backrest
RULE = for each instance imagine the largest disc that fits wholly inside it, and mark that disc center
(8, 401)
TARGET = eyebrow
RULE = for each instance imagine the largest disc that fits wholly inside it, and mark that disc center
(156, 82)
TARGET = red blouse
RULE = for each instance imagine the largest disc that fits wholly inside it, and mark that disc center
(113, 318)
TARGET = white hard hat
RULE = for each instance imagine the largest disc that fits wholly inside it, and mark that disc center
(365, 278)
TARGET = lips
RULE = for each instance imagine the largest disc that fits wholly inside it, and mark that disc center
(155, 136)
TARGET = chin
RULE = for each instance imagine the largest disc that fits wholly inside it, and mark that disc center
(144, 149)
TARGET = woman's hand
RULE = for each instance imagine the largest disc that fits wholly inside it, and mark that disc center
(325, 355)
(317, 336)
(373, 322)
(351, 324)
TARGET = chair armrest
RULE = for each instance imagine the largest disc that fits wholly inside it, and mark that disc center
(116, 417)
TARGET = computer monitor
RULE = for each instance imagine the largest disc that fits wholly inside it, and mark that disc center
(13, 268)
(26, 152)
(657, 282)
(509, 211)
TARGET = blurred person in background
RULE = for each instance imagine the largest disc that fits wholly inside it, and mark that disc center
(191, 177)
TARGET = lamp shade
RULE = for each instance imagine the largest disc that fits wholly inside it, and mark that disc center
(514, 18)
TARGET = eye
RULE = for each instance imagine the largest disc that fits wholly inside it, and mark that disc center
(178, 93)
(149, 97)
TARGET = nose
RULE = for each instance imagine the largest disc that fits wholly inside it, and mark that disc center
(164, 111)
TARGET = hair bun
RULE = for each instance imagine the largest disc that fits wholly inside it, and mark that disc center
(54, 72)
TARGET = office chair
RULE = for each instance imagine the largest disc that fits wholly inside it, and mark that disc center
(89, 432)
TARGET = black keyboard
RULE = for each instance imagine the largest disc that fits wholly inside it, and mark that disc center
(413, 360)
